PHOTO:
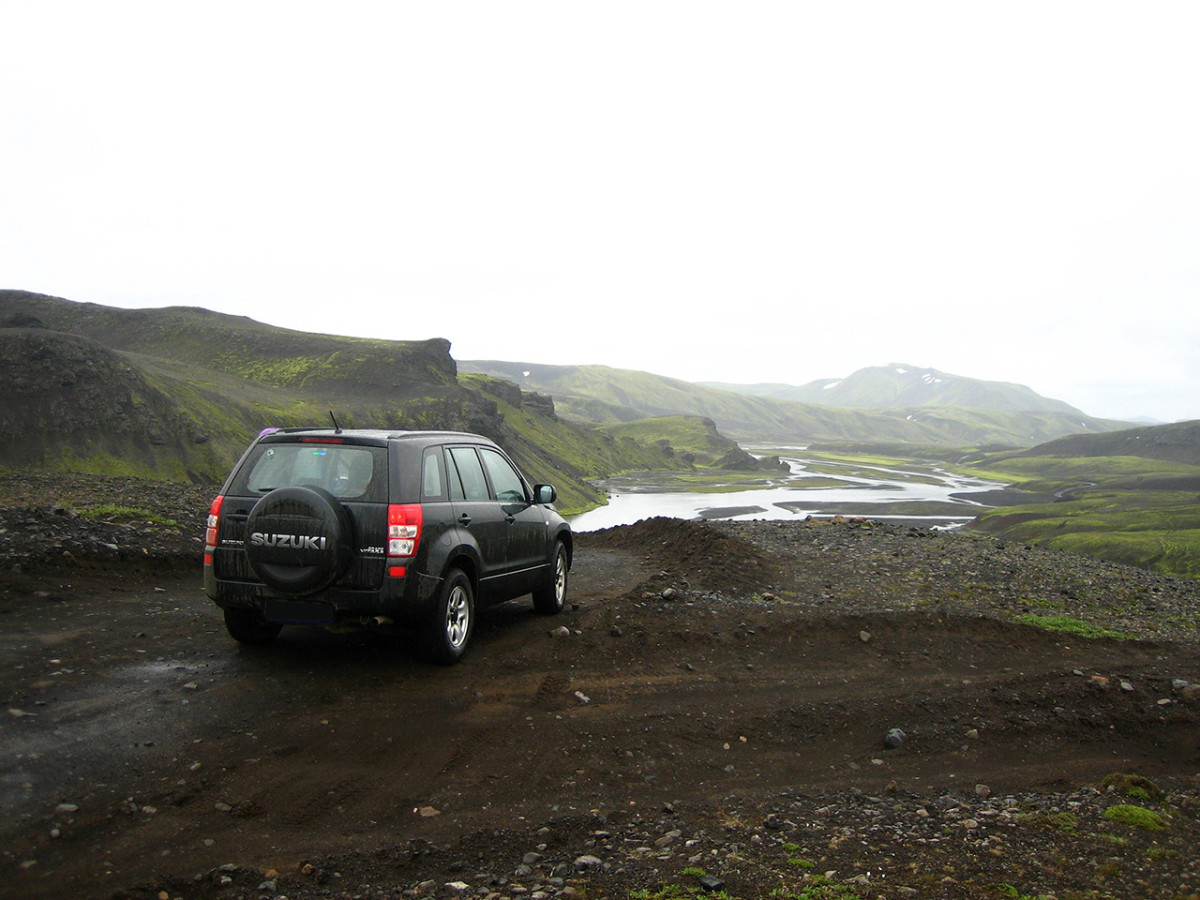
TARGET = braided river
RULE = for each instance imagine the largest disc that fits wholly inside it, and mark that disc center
(923, 494)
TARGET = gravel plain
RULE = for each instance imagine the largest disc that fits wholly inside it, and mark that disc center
(809, 709)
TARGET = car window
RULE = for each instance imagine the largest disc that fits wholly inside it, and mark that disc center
(347, 472)
(470, 484)
(433, 481)
(505, 480)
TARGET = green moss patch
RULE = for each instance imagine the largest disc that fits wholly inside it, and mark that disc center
(1069, 625)
(1136, 817)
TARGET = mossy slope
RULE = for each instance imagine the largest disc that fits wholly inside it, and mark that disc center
(1143, 510)
(177, 394)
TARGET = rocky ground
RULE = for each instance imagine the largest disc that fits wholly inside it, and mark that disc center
(797, 710)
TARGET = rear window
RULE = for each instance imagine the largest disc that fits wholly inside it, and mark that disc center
(347, 471)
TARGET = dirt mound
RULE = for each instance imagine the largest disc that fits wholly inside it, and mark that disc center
(694, 554)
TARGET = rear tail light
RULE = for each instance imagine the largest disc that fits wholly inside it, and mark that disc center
(404, 529)
(211, 529)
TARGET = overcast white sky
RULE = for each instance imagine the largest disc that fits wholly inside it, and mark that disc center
(739, 191)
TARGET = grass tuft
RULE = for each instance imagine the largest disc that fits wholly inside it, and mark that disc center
(132, 513)
(1136, 786)
(1069, 625)
(1136, 817)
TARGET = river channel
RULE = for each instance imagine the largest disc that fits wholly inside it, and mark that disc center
(922, 494)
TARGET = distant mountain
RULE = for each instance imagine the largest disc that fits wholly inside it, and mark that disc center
(603, 395)
(901, 386)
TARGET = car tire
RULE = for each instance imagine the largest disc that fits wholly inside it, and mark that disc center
(247, 627)
(550, 597)
(299, 540)
(454, 619)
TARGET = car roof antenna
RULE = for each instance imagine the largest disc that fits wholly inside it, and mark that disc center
(337, 429)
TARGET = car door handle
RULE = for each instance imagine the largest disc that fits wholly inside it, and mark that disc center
(464, 520)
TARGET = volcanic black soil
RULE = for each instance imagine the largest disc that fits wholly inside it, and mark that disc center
(810, 709)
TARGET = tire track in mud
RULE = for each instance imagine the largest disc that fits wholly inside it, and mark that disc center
(551, 691)
(317, 808)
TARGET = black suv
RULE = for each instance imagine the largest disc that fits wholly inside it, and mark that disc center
(336, 527)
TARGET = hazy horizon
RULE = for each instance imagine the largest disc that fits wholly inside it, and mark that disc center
(774, 192)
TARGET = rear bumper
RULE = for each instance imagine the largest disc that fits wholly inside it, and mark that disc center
(407, 599)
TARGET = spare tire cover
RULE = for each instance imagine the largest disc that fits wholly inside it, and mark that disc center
(299, 540)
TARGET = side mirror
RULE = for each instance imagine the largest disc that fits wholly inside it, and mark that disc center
(544, 494)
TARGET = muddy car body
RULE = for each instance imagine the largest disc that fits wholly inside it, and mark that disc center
(336, 526)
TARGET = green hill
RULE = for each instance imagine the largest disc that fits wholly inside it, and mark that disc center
(1132, 496)
(178, 393)
(602, 395)
(1178, 442)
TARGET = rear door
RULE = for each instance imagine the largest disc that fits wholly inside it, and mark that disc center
(351, 473)
(477, 512)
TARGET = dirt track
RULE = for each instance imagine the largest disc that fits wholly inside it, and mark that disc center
(717, 710)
